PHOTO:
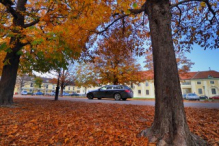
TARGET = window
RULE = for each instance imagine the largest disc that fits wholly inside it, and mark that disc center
(213, 91)
(73, 88)
(198, 82)
(139, 91)
(199, 91)
(68, 88)
(31, 84)
(78, 87)
(147, 84)
(53, 86)
(109, 87)
(211, 82)
(132, 86)
(139, 84)
(118, 87)
(147, 92)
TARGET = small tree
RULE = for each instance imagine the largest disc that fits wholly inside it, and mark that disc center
(85, 77)
(184, 64)
(38, 82)
(115, 62)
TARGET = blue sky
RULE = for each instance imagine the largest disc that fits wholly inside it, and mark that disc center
(203, 59)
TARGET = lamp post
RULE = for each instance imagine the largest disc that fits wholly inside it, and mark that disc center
(57, 87)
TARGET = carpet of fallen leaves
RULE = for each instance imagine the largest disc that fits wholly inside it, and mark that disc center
(46, 122)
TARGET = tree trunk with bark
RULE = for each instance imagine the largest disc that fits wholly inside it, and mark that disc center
(8, 78)
(9, 72)
(170, 125)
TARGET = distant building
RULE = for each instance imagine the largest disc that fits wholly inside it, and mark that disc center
(46, 87)
(201, 83)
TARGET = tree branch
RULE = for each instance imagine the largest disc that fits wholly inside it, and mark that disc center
(8, 4)
(132, 12)
(32, 23)
(106, 28)
(206, 1)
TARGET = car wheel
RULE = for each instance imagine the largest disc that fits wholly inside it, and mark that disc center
(124, 99)
(117, 96)
(90, 96)
(99, 98)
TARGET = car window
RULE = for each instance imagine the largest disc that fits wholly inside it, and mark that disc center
(118, 87)
(103, 88)
(109, 87)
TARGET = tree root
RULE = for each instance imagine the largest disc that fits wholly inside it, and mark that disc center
(155, 137)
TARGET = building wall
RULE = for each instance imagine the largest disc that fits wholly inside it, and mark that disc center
(209, 87)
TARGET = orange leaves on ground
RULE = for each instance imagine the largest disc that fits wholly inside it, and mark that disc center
(44, 122)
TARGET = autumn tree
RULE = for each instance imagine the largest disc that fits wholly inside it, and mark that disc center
(115, 62)
(42, 30)
(38, 82)
(173, 24)
(85, 76)
(183, 63)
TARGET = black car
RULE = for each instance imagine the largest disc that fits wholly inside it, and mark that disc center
(203, 97)
(111, 91)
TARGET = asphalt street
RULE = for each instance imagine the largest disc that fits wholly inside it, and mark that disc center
(198, 104)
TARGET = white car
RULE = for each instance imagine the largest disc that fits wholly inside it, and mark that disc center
(192, 96)
(52, 93)
(24, 92)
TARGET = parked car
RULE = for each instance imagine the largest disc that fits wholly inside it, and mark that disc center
(214, 97)
(192, 96)
(51, 93)
(203, 97)
(24, 92)
(74, 94)
(117, 92)
(65, 94)
(38, 93)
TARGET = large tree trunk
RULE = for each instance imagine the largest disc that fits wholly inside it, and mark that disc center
(9, 72)
(170, 125)
(8, 78)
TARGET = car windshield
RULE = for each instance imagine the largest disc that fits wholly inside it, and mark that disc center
(192, 94)
(103, 88)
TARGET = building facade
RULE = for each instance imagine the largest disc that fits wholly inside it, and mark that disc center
(201, 83)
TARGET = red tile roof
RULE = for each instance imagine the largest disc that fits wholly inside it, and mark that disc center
(206, 74)
(187, 76)
(149, 75)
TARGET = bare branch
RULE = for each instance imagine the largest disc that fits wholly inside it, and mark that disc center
(132, 12)
(106, 28)
(180, 15)
(206, 1)
(182, 2)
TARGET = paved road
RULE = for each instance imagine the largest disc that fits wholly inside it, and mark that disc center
(199, 104)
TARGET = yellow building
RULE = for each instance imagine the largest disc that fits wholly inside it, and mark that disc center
(201, 83)
(26, 83)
